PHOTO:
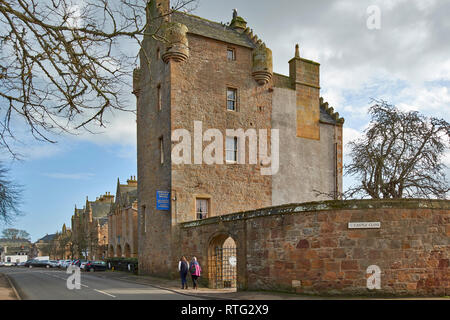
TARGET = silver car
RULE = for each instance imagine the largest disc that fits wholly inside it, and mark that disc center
(53, 263)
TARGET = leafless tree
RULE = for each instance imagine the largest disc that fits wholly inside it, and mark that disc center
(15, 234)
(10, 200)
(64, 63)
(400, 155)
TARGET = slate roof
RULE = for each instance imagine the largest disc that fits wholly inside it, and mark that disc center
(211, 29)
(100, 209)
(48, 237)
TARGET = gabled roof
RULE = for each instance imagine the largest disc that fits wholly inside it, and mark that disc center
(126, 194)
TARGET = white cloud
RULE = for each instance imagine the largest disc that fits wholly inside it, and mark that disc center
(120, 130)
(350, 134)
(70, 176)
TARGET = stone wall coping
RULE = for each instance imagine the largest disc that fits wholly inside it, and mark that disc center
(330, 205)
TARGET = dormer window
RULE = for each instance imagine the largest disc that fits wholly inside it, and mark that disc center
(231, 54)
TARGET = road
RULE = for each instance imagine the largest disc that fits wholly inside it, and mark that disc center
(51, 284)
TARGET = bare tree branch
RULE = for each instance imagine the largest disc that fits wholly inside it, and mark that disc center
(64, 63)
(400, 155)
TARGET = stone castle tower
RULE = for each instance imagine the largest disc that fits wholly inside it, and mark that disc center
(195, 70)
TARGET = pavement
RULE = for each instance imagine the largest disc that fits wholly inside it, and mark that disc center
(6, 289)
(233, 294)
(51, 284)
(29, 284)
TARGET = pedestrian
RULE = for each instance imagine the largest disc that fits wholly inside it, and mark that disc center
(183, 268)
(195, 270)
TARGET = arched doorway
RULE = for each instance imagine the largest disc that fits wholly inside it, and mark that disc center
(111, 251)
(222, 262)
(127, 250)
(119, 251)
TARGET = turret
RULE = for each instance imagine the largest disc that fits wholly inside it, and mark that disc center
(238, 23)
(177, 46)
(262, 69)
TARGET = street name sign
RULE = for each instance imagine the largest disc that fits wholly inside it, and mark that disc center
(364, 225)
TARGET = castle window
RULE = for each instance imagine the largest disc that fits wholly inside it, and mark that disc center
(231, 54)
(158, 97)
(158, 54)
(231, 149)
(161, 149)
(202, 208)
(231, 99)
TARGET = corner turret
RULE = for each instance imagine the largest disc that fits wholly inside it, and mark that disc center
(238, 23)
(262, 69)
(177, 45)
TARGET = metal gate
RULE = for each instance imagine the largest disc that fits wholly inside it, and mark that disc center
(223, 267)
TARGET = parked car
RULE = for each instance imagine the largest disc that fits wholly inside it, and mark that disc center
(21, 264)
(95, 266)
(8, 264)
(53, 263)
(66, 263)
(83, 264)
(38, 264)
(79, 263)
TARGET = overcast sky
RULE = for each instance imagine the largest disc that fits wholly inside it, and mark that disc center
(406, 62)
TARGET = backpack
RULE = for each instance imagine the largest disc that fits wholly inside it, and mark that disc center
(193, 269)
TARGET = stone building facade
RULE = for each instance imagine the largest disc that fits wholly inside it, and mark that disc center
(90, 228)
(123, 221)
(199, 75)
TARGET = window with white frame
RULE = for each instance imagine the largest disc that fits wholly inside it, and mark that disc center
(231, 54)
(202, 208)
(231, 99)
(231, 149)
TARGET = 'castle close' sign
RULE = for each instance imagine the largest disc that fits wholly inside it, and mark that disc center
(364, 225)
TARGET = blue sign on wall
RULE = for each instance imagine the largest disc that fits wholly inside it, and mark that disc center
(163, 200)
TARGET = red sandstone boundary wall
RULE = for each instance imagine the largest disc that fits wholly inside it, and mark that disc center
(308, 248)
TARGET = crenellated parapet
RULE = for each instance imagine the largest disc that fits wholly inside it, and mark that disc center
(177, 45)
(330, 111)
(262, 68)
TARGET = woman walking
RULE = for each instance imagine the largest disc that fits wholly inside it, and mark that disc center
(195, 270)
(183, 268)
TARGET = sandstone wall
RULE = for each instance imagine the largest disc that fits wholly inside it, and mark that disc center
(308, 248)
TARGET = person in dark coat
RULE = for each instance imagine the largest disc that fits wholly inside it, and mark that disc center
(183, 268)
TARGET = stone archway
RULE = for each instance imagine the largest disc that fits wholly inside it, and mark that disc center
(222, 262)
(111, 251)
(127, 250)
(119, 251)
